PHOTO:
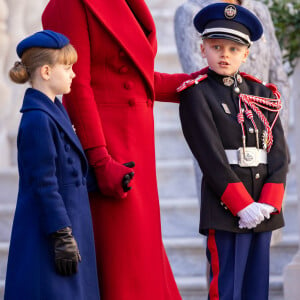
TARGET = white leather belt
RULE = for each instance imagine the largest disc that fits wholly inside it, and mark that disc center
(246, 157)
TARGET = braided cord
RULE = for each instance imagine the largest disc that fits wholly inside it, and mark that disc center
(254, 102)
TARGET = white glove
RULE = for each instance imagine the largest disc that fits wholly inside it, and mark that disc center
(267, 209)
(250, 216)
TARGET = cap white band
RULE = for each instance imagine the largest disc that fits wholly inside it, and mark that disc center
(227, 30)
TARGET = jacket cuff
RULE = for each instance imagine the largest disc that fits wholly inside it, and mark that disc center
(236, 197)
(272, 194)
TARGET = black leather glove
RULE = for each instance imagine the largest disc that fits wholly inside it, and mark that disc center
(127, 178)
(66, 252)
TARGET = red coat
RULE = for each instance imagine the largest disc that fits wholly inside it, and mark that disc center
(111, 104)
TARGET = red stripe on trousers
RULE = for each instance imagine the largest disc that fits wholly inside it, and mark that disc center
(214, 259)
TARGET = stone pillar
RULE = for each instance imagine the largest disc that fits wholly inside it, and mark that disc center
(292, 271)
(4, 89)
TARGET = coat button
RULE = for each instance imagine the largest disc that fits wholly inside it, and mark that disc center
(257, 176)
(149, 103)
(131, 102)
(123, 70)
(67, 147)
(75, 173)
(122, 53)
(251, 130)
(70, 160)
(128, 85)
(223, 204)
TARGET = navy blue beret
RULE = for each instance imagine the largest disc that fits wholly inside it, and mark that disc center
(228, 21)
(43, 39)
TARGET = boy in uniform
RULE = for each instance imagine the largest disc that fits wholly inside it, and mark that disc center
(230, 121)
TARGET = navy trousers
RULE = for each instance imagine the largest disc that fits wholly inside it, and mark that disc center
(239, 265)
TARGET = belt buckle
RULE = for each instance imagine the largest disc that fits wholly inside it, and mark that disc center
(248, 157)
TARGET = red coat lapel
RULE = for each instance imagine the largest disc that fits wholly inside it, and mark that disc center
(117, 17)
(144, 16)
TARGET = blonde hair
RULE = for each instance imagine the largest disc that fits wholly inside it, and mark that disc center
(35, 57)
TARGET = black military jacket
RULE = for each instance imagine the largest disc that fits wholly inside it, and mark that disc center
(208, 113)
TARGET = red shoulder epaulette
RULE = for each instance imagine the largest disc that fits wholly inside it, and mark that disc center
(250, 77)
(190, 82)
(271, 86)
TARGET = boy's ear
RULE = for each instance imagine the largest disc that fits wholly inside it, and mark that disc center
(202, 49)
(45, 72)
(246, 55)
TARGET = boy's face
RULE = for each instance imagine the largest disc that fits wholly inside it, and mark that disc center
(224, 56)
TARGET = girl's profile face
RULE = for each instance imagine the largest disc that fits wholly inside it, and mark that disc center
(224, 56)
(60, 78)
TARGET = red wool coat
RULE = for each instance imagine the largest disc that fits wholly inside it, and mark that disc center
(111, 104)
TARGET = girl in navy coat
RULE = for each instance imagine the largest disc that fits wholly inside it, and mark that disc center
(51, 252)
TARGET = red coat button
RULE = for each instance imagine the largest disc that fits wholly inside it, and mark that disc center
(131, 102)
(122, 53)
(128, 85)
(123, 70)
(149, 103)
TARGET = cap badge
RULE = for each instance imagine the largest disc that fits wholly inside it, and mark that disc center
(230, 11)
(239, 78)
(228, 81)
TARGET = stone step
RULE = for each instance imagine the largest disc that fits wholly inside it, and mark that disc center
(2, 282)
(167, 60)
(166, 112)
(180, 216)
(12, 138)
(170, 142)
(188, 258)
(8, 185)
(175, 178)
(194, 288)
(6, 219)
(3, 259)
(169, 5)
(164, 20)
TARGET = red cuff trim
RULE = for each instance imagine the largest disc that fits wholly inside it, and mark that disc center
(236, 197)
(272, 194)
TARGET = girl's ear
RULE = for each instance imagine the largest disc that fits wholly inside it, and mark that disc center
(202, 49)
(45, 72)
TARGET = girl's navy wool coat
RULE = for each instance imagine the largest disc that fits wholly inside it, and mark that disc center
(52, 195)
